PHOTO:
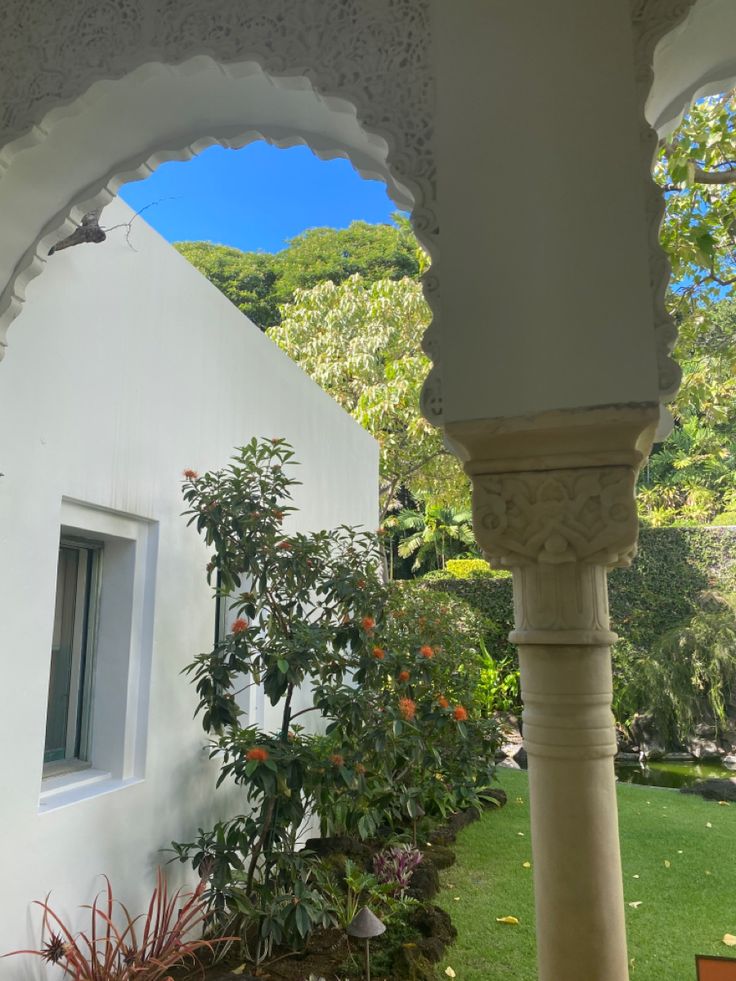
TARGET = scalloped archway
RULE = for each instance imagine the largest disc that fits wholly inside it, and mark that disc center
(135, 84)
(121, 131)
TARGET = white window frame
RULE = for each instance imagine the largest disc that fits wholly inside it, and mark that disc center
(120, 680)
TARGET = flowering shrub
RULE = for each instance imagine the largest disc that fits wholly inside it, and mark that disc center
(410, 722)
(306, 607)
(388, 675)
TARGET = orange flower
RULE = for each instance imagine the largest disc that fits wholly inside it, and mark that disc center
(426, 651)
(190, 474)
(379, 653)
(239, 625)
(404, 676)
(258, 754)
(284, 544)
(442, 702)
(337, 760)
(368, 623)
(459, 714)
(407, 708)
(279, 515)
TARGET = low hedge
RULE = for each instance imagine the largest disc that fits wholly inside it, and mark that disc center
(657, 593)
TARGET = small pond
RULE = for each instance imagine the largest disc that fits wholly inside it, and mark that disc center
(664, 773)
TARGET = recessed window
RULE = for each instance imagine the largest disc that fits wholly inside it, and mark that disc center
(101, 648)
(72, 656)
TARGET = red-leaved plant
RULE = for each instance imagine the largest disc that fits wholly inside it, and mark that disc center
(143, 948)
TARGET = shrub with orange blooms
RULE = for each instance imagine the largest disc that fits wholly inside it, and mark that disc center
(404, 675)
(408, 709)
(459, 713)
(379, 653)
(442, 702)
(426, 651)
(302, 623)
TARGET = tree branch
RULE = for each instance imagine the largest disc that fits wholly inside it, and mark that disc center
(715, 176)
(129, 224)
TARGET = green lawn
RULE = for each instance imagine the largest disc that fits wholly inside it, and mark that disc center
(686, 906)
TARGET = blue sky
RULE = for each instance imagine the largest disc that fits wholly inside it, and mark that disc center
(255, 198)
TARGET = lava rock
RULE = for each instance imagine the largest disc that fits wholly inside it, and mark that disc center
(713, 789)
(461, 819)
(340, 845)
(443, 835)
(440, 856)
(431, 921)
(704, 748)
(425, 881)
(411, 965)
(647, 737)
(494, 797)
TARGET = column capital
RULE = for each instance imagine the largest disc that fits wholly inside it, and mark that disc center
(557, 488)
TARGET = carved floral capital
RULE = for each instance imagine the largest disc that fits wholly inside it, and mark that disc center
(557, 516)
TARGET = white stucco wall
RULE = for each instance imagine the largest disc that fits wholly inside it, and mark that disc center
(128, 368)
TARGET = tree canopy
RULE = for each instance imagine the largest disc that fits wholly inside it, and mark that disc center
(360, 341)
(690, 477)
(258, 283)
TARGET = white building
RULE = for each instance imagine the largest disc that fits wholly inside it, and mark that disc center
(521, 135)
(131, 368)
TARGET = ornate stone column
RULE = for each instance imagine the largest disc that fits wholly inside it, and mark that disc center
(553, 500)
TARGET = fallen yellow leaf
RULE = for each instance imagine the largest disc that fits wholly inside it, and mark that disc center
(456, 898)
(729, 940)
(636, 905)
(511, 920)
(526, 865)
(450, 973)
(667, 863)
(635, 877)
(520, 834)
(708, 824)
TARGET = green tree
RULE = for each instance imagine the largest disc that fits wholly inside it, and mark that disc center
(360, 341)
(246, 278)
(696, 166)
(258, 283)
(433, 535)
(690, 477)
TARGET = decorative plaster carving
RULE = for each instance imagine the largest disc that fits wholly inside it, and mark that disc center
(561, 604)
(375, 56)
(652, 20)
(557, 516)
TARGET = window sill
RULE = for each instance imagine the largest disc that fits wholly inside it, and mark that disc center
(68, 788)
